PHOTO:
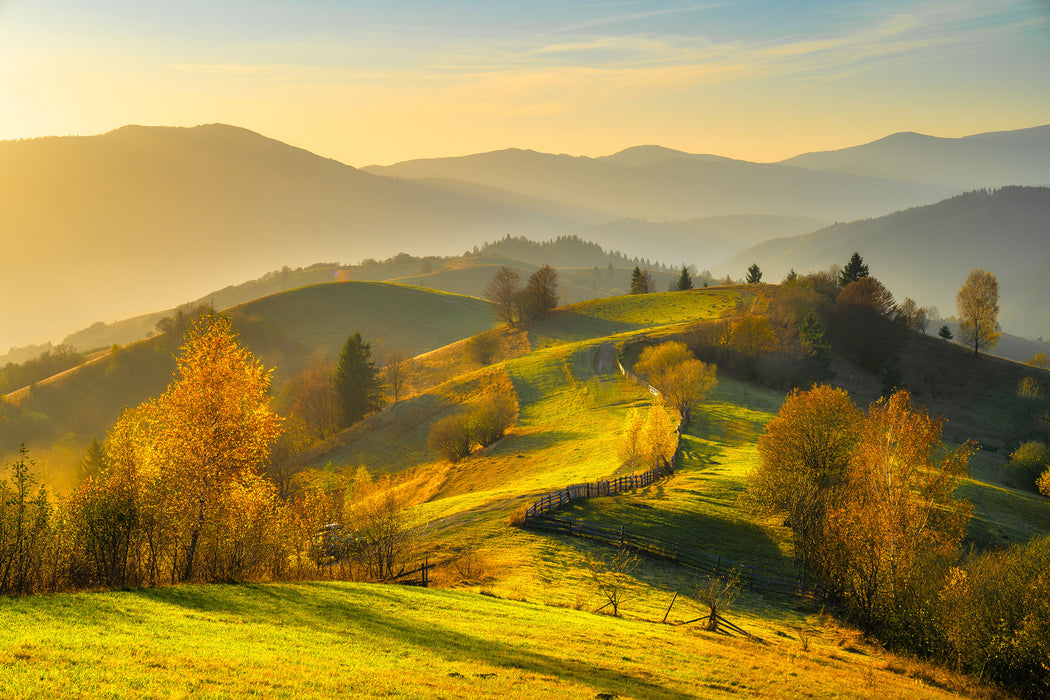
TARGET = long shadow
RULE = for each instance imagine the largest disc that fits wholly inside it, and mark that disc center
(330, 603)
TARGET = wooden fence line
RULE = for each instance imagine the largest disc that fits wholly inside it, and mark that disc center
(748, 576)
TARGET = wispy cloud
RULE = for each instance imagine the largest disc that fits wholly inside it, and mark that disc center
(635, 17)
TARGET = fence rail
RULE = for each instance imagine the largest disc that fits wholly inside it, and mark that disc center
(606, 487)
(422, 574)
(747, 576)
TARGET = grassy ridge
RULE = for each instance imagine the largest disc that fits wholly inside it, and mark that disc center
(284, 330)
(319, 640)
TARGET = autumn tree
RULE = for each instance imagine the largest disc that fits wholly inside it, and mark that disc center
(977, 304)
(898, 521)
(310, 401)
(682, 380)
(212, 425)
(357, 381)
(804, 457)
(754, 274)
(503, 292)
(854, 270)
(1039, 360)
(684, 281)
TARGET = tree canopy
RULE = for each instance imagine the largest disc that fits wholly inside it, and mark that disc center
(977, 304)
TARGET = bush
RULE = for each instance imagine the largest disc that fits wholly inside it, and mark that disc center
(483, 348)
(1027, 464)
(493, 418)
(450, 437)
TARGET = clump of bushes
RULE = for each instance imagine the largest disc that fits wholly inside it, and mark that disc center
(1027, 464)
(453, 437)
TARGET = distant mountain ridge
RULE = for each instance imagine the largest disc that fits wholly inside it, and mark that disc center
(659, 184)
(993, 159)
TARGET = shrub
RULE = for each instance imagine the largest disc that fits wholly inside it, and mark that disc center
(1027, 463)
(491, 420)
(450, 437)
(483, 348)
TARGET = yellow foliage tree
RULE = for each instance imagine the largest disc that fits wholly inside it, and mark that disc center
(682, 380)
(978, 306)
(212, 426)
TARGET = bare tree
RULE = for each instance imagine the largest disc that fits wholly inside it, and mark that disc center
(396, 369)
(503, 292)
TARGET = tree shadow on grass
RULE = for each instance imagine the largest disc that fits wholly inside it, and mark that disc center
(381, 614)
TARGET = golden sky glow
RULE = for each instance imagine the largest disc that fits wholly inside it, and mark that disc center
(754, 80)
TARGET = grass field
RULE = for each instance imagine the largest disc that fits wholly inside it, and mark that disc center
(323, 640)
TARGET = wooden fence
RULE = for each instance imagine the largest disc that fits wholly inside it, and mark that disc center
(746, 576)
(607, 487)
(416, 577)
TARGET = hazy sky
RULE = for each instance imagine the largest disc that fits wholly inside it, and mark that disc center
(380, 82)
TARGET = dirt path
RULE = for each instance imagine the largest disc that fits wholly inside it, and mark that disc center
(605, 358)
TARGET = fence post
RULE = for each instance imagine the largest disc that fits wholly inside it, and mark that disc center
(426, 571)
(718, 566)
(621, 535)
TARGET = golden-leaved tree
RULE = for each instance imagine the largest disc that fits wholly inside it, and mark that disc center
(201, 444)
(682, 380)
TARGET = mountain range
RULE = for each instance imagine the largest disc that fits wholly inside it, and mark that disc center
(145, 218)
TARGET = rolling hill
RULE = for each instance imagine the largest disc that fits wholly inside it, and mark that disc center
(926, 252)
(58, 417)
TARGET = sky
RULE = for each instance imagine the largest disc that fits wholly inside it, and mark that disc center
(381, 82)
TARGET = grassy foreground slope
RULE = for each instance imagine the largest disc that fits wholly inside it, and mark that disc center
(322, 640)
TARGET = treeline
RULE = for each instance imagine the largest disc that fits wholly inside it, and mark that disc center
(178, 493)
(15, 376)
(878, 532)
(562, 251)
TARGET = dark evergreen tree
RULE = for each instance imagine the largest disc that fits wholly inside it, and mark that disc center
(684, 281)
(945, 332)
(855, 269)
(641, 281)
(754, 274)
(357, 381)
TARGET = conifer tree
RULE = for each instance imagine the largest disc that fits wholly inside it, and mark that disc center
(754, 274)
(357, 381)
(855, 269)
(684, 280)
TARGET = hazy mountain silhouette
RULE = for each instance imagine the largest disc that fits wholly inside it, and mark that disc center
(993, 159)
(144, 218)
(926, 252)
(650, 182)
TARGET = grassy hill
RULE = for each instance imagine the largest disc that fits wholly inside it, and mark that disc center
(59, 416)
